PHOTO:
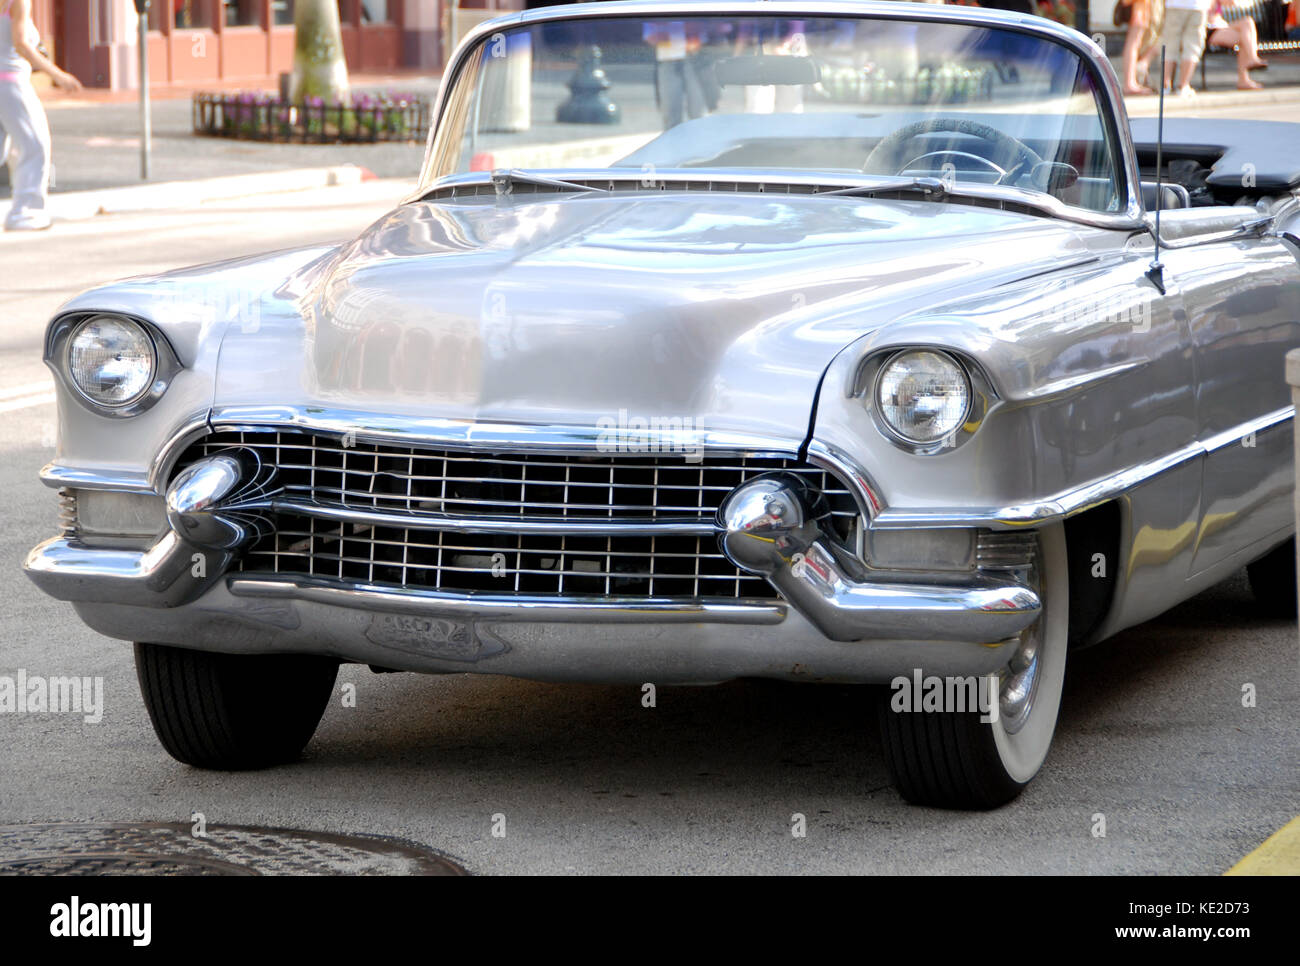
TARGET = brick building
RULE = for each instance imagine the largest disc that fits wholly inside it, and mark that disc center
(240, 41)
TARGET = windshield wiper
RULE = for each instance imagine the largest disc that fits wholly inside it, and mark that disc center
(929, 187)
(504, 181)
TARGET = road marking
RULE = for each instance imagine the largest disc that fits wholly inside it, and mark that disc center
(103, 142)
(29, 389)
(1279, 855)
(24, 402)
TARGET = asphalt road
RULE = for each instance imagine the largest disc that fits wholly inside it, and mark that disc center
(1153, 734)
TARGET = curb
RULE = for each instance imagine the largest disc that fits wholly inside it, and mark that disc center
(82, 205)
(1147, 106)
(1278, 855)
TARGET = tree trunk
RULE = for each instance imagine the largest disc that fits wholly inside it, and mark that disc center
(318, 66)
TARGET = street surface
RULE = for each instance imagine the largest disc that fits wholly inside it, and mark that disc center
(1153, 736)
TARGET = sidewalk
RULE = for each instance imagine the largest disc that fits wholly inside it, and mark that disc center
(98, 146)
(1281, 86)
(418, 81)
(172, 195)
(96, 136)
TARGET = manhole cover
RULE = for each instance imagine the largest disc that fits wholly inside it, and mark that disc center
(159, 848)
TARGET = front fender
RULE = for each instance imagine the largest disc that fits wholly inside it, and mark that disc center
(1090, 376)
(192, 309)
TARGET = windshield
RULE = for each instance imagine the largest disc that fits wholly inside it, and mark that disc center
(834, 98)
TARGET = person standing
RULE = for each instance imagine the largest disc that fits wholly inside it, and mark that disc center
(678, 89)
(1184, 39)
(22, 119)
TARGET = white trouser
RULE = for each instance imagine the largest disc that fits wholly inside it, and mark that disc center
(23, 123)
(681, 97)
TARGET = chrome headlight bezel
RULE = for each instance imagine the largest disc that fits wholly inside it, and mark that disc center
(979, 395)
(165, 363)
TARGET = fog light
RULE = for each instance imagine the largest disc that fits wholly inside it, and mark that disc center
(105, 513)
(920, 549)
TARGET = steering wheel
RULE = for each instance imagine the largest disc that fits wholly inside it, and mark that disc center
(1015, 155)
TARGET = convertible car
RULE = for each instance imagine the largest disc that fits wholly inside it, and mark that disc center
(817, 341)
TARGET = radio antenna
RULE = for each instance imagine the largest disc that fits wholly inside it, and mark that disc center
(1157, 271)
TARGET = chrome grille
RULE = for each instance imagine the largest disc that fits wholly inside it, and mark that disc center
(607, 488)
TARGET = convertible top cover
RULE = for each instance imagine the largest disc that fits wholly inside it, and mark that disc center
(1271, 149)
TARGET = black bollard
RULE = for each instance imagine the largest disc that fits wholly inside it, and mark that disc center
(588, 103)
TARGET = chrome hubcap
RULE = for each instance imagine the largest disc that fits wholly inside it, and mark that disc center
(1018, 681)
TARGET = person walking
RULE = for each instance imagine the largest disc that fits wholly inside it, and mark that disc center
(1184, 38)
(1230, 28)
(22, 119)
(1144, 19)
(678, 90)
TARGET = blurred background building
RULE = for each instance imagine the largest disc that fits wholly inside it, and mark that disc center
(246, 41)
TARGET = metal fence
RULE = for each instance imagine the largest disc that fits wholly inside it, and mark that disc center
(262, 117)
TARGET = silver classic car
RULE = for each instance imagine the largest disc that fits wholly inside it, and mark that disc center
(818, 341)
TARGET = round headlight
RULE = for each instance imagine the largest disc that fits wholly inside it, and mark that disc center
(111, 360)
(923, 396)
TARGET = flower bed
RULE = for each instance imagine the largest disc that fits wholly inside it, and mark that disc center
(257, 116)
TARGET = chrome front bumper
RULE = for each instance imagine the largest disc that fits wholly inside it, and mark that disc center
(833, 622)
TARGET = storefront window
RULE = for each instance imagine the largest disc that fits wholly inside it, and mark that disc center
(374, 11)
(192, 13)
(243, 13)
(282, 13)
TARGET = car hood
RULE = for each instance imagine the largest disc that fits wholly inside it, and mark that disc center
(574, 310)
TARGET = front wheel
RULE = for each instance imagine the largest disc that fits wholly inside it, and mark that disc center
(950, 758)
(233, 711)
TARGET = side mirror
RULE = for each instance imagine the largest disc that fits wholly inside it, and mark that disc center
(1052, 176)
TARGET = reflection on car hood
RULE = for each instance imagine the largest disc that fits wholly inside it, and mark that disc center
(724, 309)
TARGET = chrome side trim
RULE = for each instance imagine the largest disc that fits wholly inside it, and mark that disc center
(1257, 425)
(56, 476)
(1080, 498)
(523, 608)
(1026, 515)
